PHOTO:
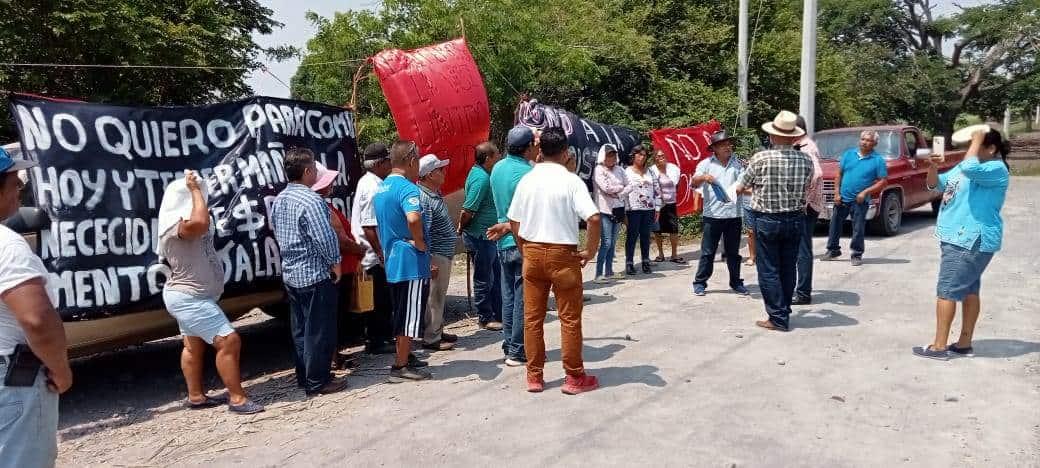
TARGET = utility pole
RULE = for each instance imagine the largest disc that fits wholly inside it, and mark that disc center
(1037, 114)
(807, 104)
(742, 62)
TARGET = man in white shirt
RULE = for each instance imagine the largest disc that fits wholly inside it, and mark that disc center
(33, 352)
(363, 225)
(544, 214)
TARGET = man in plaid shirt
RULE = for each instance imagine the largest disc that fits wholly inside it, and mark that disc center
(777, 180)
(310, 268)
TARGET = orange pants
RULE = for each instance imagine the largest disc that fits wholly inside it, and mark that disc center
(556, 267)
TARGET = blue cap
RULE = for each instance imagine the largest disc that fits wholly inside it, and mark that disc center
(520, 135)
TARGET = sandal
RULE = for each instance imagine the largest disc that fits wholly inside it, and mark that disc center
(928, 352)
(209, 402)
(749, 262)
(249, 407)
(659, 259)
(678, 260)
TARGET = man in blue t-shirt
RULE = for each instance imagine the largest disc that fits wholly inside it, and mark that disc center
(861, 173)
(403, 236)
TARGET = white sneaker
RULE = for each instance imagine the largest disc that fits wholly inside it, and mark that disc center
(601, 280)
(514, 363)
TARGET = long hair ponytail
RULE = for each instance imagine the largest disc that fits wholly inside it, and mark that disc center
(996, 139)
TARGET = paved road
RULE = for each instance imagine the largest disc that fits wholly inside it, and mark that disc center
(687, 382)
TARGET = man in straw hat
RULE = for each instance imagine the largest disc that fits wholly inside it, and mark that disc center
(310, 269)
(30, 332)
(191, 292)
(777, 179)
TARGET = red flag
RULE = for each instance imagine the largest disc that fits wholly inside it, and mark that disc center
(437, 98)
(685, 147)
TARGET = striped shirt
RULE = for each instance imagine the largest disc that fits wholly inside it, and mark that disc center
(438, 221)
(303, 230)
(778, 179)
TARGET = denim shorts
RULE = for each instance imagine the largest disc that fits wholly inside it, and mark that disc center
(960, 271)
(197, 316)
(28, 424)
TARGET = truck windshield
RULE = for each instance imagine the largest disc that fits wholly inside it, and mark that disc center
(832, 145)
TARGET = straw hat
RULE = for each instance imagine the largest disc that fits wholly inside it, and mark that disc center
(176, 206)
(785, 124)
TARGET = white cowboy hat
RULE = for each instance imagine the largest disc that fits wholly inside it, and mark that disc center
(785, 124)
(176, 206)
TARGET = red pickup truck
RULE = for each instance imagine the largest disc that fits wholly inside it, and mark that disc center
(905, 185)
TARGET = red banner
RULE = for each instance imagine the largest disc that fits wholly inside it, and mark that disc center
(437, 98)
(685, 147)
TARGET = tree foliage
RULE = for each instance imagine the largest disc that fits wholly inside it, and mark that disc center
(215, 33)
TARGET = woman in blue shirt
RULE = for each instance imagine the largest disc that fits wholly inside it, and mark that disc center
(970, 230)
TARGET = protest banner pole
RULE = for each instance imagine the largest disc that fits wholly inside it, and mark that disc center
(742, 62)
(807, 102)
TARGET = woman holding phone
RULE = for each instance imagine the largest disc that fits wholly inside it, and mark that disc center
(970, 231)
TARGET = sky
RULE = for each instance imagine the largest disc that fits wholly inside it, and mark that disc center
(298, 30)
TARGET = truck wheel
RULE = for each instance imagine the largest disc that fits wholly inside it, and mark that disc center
(890, 215)
(278, 311)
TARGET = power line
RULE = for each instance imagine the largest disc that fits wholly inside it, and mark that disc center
(97, 65)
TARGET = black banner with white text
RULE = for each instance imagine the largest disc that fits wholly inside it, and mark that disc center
(103, 169)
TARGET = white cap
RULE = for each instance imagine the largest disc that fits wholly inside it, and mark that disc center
(429, 163)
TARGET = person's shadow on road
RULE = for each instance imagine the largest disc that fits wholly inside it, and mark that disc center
(842, 298)
(1004, 348)
(818, 318)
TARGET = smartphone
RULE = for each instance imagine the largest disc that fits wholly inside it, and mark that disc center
(23, 368)
(939, 146)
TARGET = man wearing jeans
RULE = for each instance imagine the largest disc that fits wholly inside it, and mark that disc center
(544, 214)
(813, 208)
(478, 214)
(861, 172)
(721, 216)
(521, 150)
(30, 325)
(310, 252)
(777, 179)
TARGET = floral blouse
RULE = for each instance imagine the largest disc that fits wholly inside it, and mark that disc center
(643, 190)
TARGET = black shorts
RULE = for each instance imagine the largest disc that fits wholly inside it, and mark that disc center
(409, 301)
(669, 220)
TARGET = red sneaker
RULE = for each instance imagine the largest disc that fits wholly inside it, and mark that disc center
(576, 385)
(535, 385)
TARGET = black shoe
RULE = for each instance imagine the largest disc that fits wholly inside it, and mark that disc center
(381, 348)
(415, 363)
(799, 300)
(630, 270)
(646, 268)
(831, 256)
(449, 337)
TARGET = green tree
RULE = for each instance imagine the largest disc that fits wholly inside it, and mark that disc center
(217, 33)
(927, 69)
(552, 50)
